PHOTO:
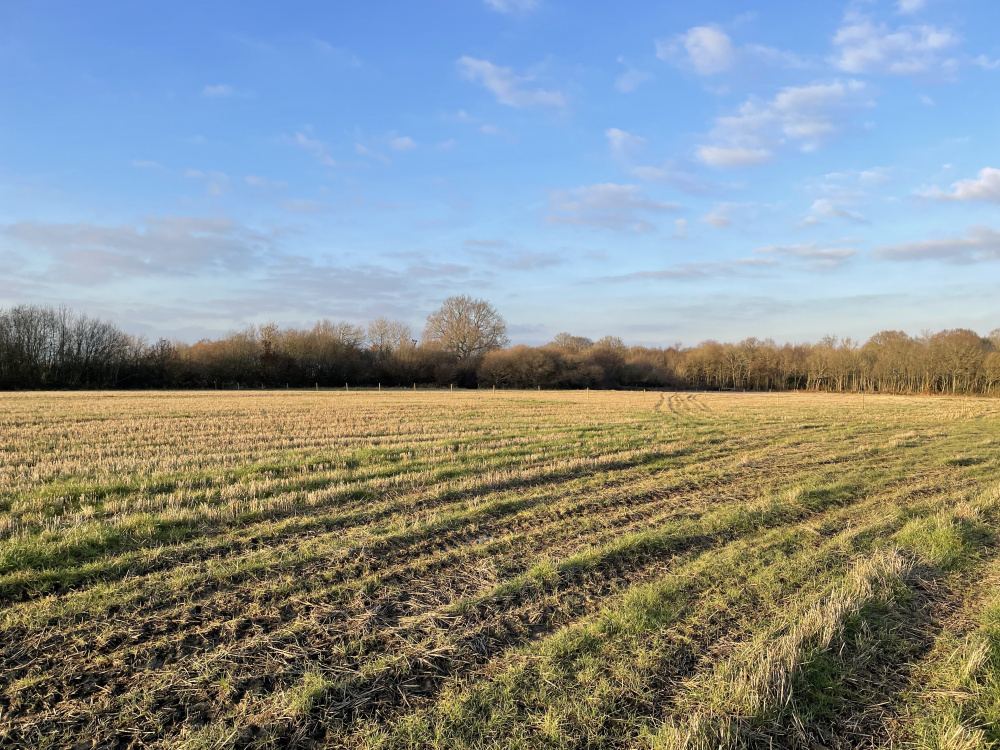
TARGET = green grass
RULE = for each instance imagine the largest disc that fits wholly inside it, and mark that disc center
(479, 570)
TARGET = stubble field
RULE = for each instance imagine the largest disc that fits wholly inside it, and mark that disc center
(480, 570)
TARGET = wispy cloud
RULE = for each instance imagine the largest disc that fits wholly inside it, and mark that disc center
(910, 6)
(981, 244)
(803, 115)
(224, 91)
(86, 253)
(694, 271)
(815, 256)
(216, 183)
(218, 90)
(626, 146)
(363, 150)
(499, 254)
(720, 216)
(605, 206)
(709, 51)
(319, 149)
(623, 143)
(831, 209)
(985, 187)
(866, 47)
(402, 143)
(506, 86)
(339, 55)
(733, 156)
(631, 79)
(512, 6)
(262, 182)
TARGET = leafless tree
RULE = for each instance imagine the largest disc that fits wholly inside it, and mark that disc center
(387, 337)
(466, 327)
(570, 342)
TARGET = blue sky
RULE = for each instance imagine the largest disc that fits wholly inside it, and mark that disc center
(666, 172)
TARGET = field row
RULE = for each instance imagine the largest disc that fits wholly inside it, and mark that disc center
(530, 569)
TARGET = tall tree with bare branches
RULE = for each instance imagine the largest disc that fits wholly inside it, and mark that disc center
(466, 327)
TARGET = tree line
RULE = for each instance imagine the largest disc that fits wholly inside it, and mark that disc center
(465, 343)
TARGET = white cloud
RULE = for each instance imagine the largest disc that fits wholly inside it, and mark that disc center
(708, 49)
(874, 176)
(316, 147)
(631, 79)
(622, 142)
(718, 156)
(338, 54)
(720, 217)
(817, 257)
(985, 187)
(680, 229)
(511, 6)
(671, 174)
(606, 206)
(910, 6)
(86, 253)
(624, 146)
(402, 143)
(739, 267)
(775, 57)
(981, 244)
(803, 114)
(218, 91)
(831, 209)
(864, 47)
(363, 150)
(986, 63)
(926, 100)
(717, 220)
(216, 183)
(810, 221)
(446, 145)
(506, 86)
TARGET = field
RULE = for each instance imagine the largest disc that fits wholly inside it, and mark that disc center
(510, 569)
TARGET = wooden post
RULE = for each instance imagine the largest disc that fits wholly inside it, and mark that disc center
(451, 387)
(380, 387)
(347, 387)
(317, 386)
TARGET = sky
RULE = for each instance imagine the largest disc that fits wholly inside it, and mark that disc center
(665, 172)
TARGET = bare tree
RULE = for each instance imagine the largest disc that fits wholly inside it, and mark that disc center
(570, 342)
(387, 336)
(466, 327)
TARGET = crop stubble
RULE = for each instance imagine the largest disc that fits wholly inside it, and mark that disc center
(468, 569)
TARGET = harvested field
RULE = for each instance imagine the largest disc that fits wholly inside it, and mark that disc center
(513, 569)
